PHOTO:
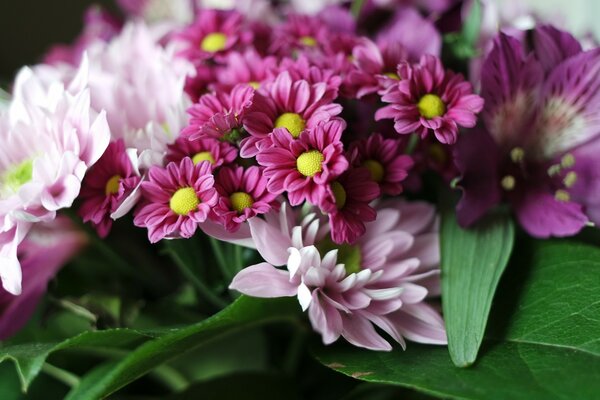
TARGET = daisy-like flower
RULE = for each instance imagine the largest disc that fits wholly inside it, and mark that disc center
(219, 115)
(428, 99)
(108, 189)
(248, 67)
(50, 137)
(295, 106)
(302, 69)
(176, 199)
(243, 194)
(347, 204)
(385, 159)
(299, 32)
(303, 167)
(217, 153)
(214, 32)
(540, 137)
(382, 280)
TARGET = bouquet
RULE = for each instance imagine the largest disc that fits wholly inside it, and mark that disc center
(303, 200)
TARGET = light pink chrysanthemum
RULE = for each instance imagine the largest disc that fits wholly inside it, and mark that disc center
(176, 199)
(428, 98)
(217, 153)
(303, 167)
(108, 187)
(347, 204)
(295, 106)
(243, 194)
(381, 281)
(219, 115)
(385, 159)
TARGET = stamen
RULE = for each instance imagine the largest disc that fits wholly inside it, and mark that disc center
(570, 179)
(203, 156)
(517, 154)
(112, 185)
(293, 122)
(214, 42)
(184, 201)
(431, 106)
(240, 201)
(508, 182)
(17, 176)
(562, 195)
(376, 169)
(310, 163)
(554, 170)
(254, 84)
(392, 75)
(308, 41)
(567, 161)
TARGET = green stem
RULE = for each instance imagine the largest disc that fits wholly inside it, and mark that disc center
(76, 309)
(203, 289)
(356, 7)
(170, 377)
(239, 260)
(60, 374)
(221, 260)
(413, 141)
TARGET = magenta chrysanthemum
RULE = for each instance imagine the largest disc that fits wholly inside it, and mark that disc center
(429, 99)
(217, 153)
(295, 106)
(243, 194)
(176, 199)
(109, 183)
(303, 167)
(247, 67)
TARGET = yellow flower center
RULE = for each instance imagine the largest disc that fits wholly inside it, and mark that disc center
(213, 42)
(309, 163)
(293, 122)
(203, 156)
(308, 41)
(431, 106)
(376, 169)
(184, 201)
(254, 84)
(18, 175)
(240, 201)
(392, 75)
(340, 195)
(112, 185)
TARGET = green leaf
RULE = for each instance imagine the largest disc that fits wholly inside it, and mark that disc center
(243, 313)
(29, 358)
(472, 262)
(472, 25)
(543, 340)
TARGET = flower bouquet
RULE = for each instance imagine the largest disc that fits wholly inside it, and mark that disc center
(303, 200)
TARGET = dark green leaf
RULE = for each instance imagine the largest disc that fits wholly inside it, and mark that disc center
(243, 313)
(472, 262)
(543, 341)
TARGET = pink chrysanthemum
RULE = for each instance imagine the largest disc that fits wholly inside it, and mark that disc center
(303, 167)
(217, 153)
(427, 98)
(302, 68)
(242, 195)
(213, 32)
(347, 203)
(299, 32)
(176, 199)
(219, 115)
(110, 182)
(248, 67)
(383, 280)
(385, 160)
(295, 106)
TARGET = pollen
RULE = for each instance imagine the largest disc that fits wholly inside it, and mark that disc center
(184, 201)
(308, 41)
(214, 42)
(431, 106)
(340, 194)
(567, 161)
(394, 76)
(570, 179)
(112, 185)
(293, 122)
(517, 154)
(203, 156)
(508, 182)
(562, 195)
(240, 201)
(18, 175)
(254, 84)
(376, 169)
(310, 163)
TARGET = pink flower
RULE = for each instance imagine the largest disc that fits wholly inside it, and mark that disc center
(295, 106)
(385, 159)
(303, 167)
(243, 194)
(347, 203)
(176, 199)
(302, 68)
(219, 115)
(383, 280)
(299, 32)
(427, 98)
(247, 67)
(212, 33)
(217, 153)
(107, 188)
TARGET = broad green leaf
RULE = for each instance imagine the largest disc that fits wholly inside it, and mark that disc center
(29, 358)
(243, 313)
(543, 341)
(472, 262)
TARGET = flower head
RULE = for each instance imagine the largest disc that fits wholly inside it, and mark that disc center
(217, 153)
(429, 99)
(176, 199)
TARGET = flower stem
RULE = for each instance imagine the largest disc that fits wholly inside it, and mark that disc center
(220, 256)
(356, 7)
(60, 374)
